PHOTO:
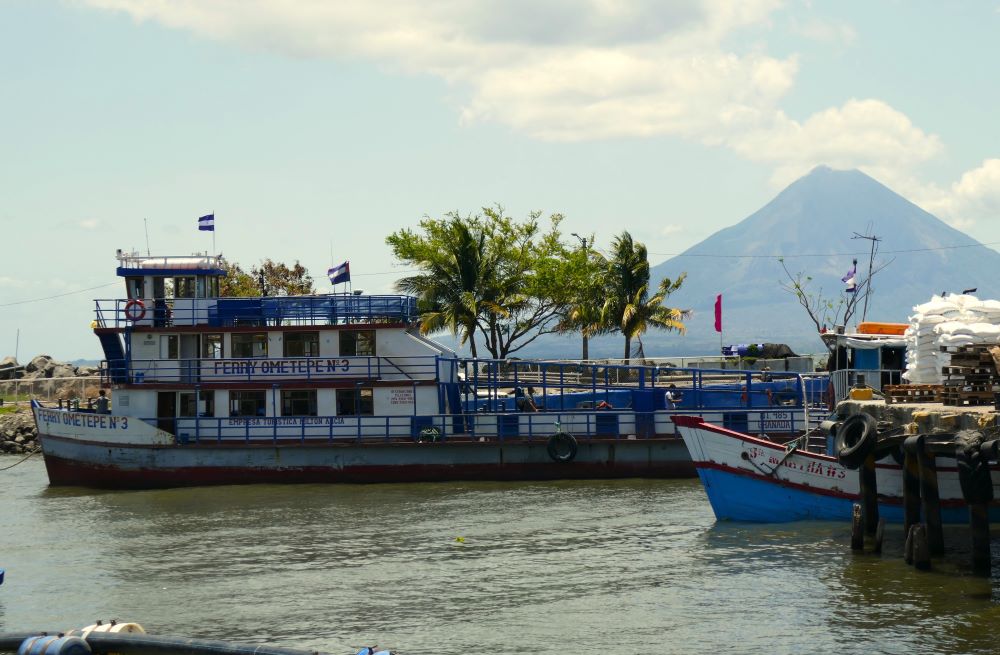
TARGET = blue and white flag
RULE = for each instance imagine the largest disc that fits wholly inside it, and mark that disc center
(340, 273)
(206, 223)
(849, 278)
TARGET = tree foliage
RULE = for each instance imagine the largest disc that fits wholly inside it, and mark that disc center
(279, 280)
(824, 310)
(584, 279)
(487, 278)
(629, 308)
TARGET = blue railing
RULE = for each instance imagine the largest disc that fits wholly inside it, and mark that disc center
(331, 309)
(583, 424)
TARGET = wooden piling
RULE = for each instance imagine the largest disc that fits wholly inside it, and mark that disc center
(921, 547)
(879, 536)
(931, 500)
(911, 481)
(857, 528)
(979, 525)
(869, 495)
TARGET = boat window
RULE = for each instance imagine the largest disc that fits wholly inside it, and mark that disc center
(213, 287)
(357, 343)
(253, 344)
(247, 403)
(298, 403)
(355, 402)
(211, 346)
(168, 346)
(184, 287)
(200, 286)
(301, 344)
(186, 405)
(134, 287)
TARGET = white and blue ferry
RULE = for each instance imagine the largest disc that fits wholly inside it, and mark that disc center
(344, 388)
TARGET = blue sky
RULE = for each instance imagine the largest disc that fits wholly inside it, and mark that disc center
(312, 126)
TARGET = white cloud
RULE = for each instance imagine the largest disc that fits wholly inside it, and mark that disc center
(573, 70)
(974, 198)
(89, 223)
(831, 32)
(671, 229)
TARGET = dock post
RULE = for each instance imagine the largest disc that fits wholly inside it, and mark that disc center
(911, 481)
(857, 528)
(977, 489)
(933, 533)
(869, 495)
(921, 547)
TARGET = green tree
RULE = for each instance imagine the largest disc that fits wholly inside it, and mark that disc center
(629, 307)
(279, 280)
(585, 278)
(487, 278)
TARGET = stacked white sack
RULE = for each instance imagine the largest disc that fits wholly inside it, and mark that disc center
(951, 321)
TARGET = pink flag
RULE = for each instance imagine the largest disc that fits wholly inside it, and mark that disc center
(718, 313)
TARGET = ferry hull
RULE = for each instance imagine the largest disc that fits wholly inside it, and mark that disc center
(74, 463)
(750, 479)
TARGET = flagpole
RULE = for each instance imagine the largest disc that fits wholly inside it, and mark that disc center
(213, 233)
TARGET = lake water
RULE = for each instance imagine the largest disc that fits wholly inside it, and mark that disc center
(636, 566)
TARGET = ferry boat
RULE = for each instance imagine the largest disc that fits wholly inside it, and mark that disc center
(344, 388)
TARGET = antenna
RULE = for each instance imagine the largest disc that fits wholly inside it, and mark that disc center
(871, 258)
(145, 223)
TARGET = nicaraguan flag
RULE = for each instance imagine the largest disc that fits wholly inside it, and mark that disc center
(340, 273)
(849, 278)
(207, 223)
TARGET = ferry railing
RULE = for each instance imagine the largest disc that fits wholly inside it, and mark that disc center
(520, 426)
(329, 309)
(263, 369)
(490, 384)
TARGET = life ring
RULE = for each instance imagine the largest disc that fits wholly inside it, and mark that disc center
(855, 440)
(562, 447)
(135, 310)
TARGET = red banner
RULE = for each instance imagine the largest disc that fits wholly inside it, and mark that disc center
(718, 313)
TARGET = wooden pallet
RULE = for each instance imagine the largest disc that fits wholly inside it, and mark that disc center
(967, 398)
(912, 393)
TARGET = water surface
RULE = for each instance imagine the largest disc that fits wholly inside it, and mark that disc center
(636, 566)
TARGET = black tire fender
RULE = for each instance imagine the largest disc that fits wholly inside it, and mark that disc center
(855, 440)
(562, 447)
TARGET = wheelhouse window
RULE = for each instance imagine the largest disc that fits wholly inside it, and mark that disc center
(301, 344)
(135, 287)
(247, 403)
(184, 287)
(211, 346)
(213, 287)
(355, 402)
(252, 344)
(298, 403)
(357, 343)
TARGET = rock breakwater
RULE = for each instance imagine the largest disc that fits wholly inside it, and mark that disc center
(17, 432)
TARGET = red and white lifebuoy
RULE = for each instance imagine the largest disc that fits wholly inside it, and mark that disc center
(135, 310)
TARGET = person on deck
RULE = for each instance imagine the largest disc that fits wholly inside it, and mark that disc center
(672, 397)
(102, 403)
(524, 402)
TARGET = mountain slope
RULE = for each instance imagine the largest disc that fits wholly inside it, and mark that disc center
(817, 215)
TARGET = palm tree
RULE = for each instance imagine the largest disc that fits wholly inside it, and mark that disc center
(453, 288)
(629, 307)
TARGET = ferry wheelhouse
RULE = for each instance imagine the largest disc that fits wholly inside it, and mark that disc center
(344, 388)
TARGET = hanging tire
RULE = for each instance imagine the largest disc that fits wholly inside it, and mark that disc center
(855, 440)
(562, 447)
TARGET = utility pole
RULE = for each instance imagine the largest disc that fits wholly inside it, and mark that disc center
(871, 258)
(585, 353)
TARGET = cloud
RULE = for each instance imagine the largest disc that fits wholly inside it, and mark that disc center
(89, 223)
(831, 32)
(671, 229)
(576, 70)
(975, 197)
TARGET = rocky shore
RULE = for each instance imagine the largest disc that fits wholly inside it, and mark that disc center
(42, 377)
